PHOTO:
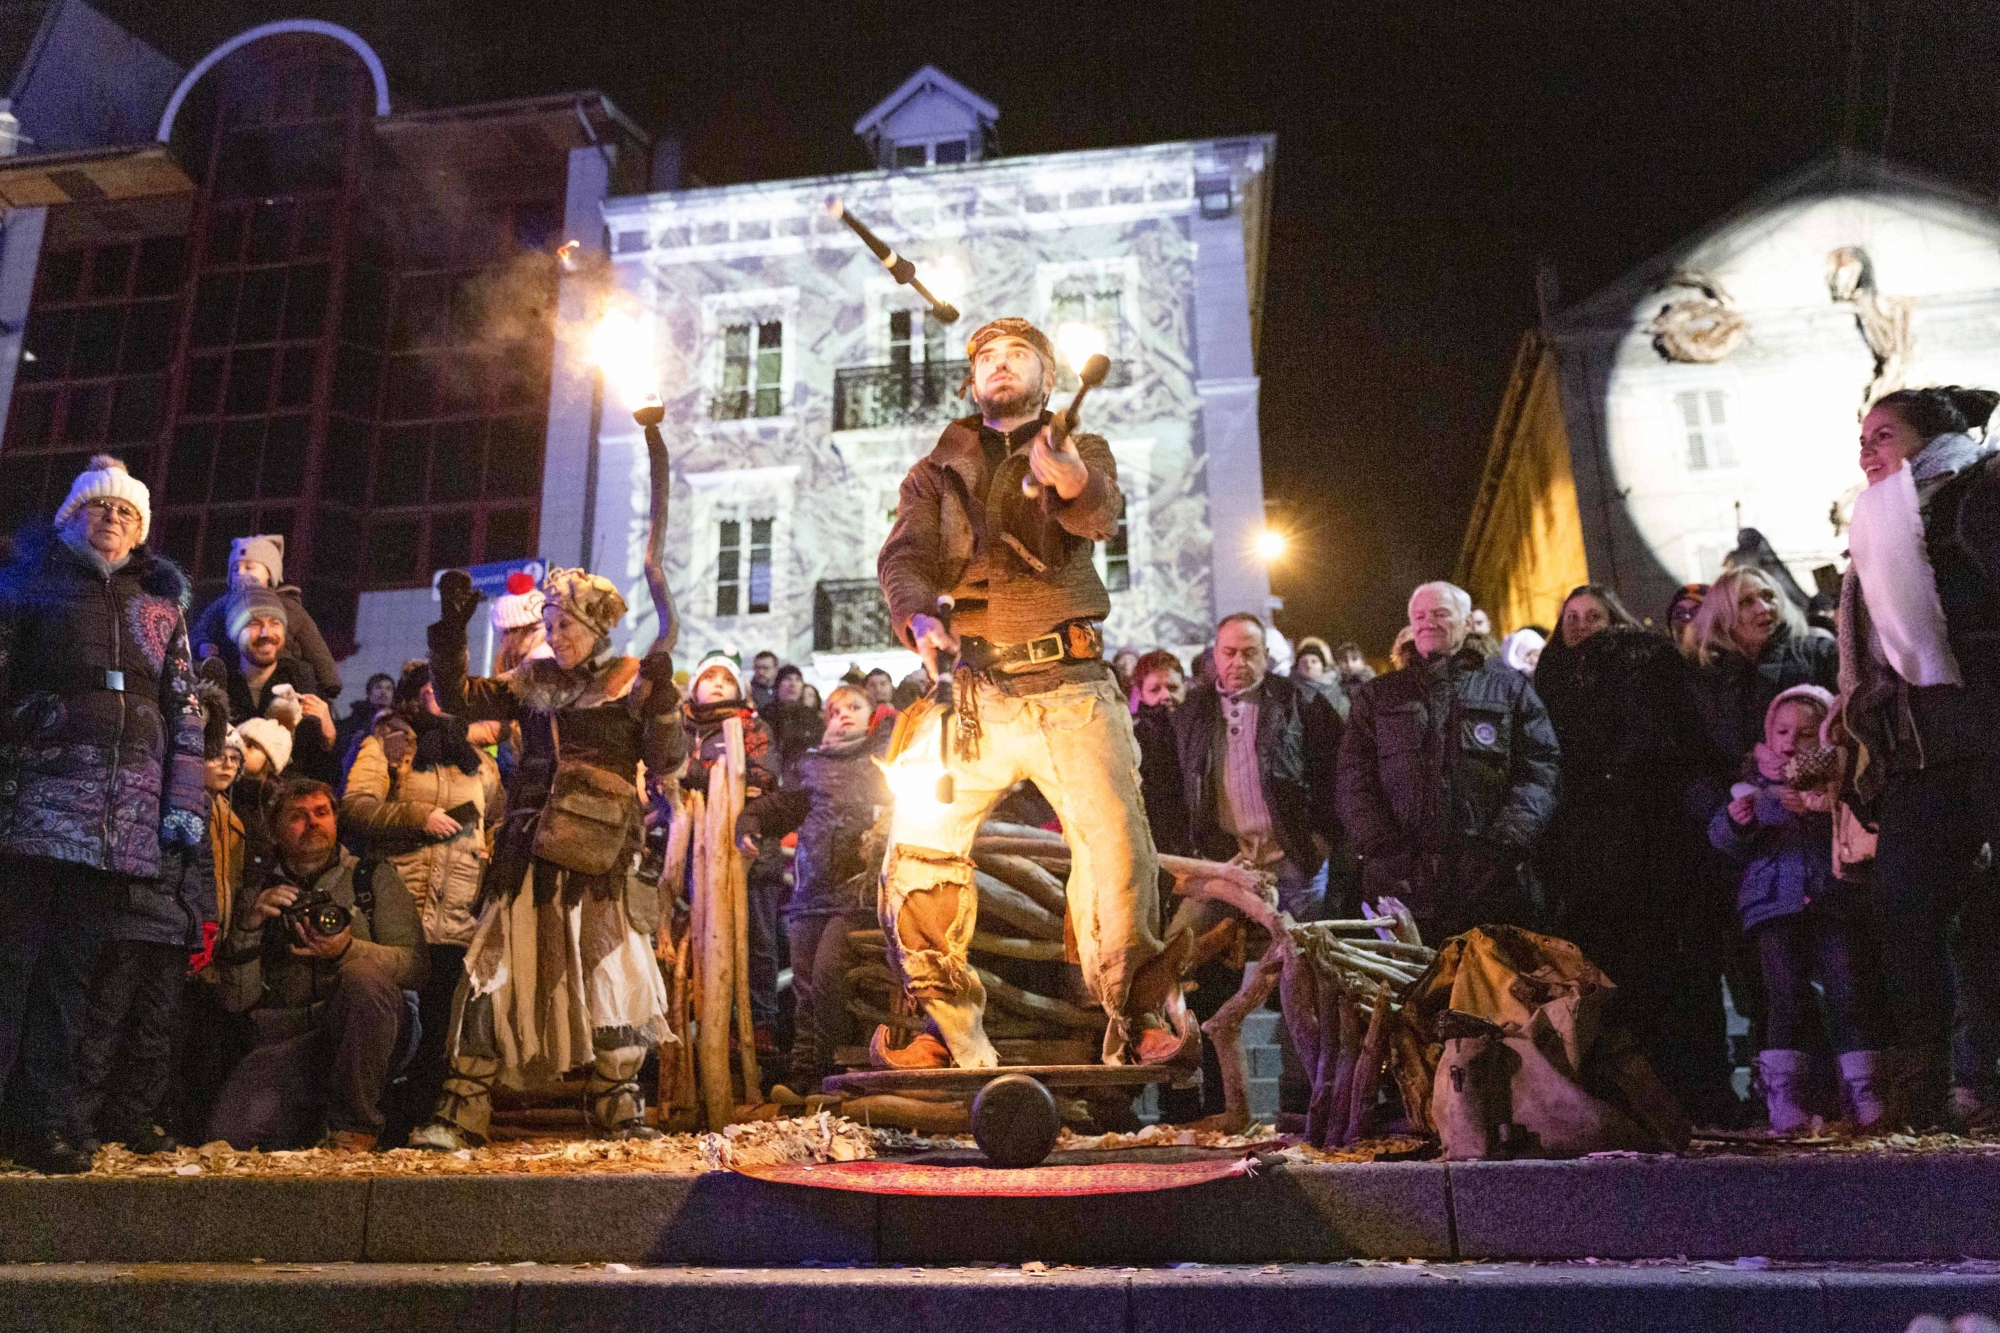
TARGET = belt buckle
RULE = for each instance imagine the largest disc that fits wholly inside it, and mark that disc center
(114, 680)
(1048, 648)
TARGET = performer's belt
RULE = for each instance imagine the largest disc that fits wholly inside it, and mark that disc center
(1071, 641)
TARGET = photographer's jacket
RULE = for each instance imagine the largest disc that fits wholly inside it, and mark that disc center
(259, 971)
(1016, 567)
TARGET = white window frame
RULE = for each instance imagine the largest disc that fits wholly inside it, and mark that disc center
(720, 310)
(1121, 269)
(742, 494)
(1705, 395)
(1135, 479)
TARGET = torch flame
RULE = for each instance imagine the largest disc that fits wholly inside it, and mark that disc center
(624, 352)
(566, 255)
(1079, 342)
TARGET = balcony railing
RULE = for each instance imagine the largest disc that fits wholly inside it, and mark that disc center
(921, 393)
(850, 616)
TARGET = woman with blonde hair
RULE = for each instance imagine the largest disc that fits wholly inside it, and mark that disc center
(1749, 644)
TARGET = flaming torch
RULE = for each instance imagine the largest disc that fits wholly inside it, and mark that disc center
(901, 269)
(623, 353)
(1082, 345)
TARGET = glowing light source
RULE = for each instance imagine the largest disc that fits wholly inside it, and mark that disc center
(1271, 545)
(620, 348)
(914, 780)
(566, 255)
(945, 277)
(1079, 342)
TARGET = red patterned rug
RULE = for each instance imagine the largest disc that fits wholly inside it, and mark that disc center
(1035, 1182)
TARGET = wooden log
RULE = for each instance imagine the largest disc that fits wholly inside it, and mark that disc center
(737, 767)
(1368, 1069)
(1000, 828)
(1006, 946)
(1004, 902)
(1045, 854)
(899, 1111)
(1041, 1008)
(1413, 1073)
(1029, 878)
(1344, 1072)
(1225, 1029)
(1214, 942)
(1325, 1074)
(715, 960)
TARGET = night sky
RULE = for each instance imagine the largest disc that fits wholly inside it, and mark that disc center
(1430, 156)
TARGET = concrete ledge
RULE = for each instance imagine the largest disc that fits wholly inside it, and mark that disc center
(190, 1220)
(1246, 1299)
(1288, 1213)
(1793, 1208)
(719, 1218)
(1833, 1207)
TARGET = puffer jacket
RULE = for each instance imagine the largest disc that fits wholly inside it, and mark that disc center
(1731, 694)
(384, 810)
(1454, 750)
(832, 804)
(100, 734)
(706, 743)
(1787, 859)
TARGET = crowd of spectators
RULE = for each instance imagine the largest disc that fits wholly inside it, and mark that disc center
(227, 913)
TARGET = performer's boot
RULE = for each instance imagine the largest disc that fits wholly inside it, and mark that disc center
(1159, 1029)
(612, 1099)
(465, 1111)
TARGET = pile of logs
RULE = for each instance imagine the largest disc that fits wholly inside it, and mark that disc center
(1032, 1013)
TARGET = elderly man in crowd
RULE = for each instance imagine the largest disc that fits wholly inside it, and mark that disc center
(100, 775)
(1256, 755)
(258, 621)
(1447, 776)
(325, 992)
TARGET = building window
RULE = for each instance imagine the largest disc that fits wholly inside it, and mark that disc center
(1704, 415)
(753, 365)
(950, 150)
(910, 154)
(1118, 554)
(734, 593)
(1094, 299)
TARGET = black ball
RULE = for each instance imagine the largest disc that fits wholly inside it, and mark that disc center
(1015, 1121)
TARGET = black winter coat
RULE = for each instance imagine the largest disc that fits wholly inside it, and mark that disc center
(1160, 778)
(1456, 749)
(831, 801)
(312, 756)
(1298, 739)
(172, 908)
(96, 769)
(303, 642)
(1730, 696)
(1617, 856)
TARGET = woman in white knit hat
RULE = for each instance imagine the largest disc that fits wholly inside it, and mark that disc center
(101, 767)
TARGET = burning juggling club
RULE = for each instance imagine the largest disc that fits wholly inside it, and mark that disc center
(901, 269)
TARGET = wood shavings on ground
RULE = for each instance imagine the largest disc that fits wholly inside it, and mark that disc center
(818, 1138)
(1168, 1136)
(1397, 1146)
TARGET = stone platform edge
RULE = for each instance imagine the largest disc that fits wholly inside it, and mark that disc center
(1835, 1207)
(209, 1298)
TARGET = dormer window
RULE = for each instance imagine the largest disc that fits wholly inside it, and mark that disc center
(932, 120)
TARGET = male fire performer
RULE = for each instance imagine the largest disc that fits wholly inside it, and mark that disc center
(1034, 699)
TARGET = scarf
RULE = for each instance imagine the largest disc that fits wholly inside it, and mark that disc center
(441, 741)
(1906, 620)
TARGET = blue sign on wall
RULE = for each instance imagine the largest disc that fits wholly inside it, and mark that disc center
(491, 580)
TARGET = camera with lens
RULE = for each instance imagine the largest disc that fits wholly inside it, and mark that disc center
(316, 910)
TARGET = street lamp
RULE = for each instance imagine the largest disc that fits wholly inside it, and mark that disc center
(1271, 545)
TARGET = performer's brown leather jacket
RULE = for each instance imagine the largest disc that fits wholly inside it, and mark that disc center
(1016, 567)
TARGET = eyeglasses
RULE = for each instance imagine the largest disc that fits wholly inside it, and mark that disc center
(114, 511)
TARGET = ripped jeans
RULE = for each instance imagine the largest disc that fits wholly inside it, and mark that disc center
(1075, 742)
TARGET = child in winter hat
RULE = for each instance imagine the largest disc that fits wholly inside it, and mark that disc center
(266, 551)
(267, 746)
(106, 477)
(717, 677)
(1805, 924)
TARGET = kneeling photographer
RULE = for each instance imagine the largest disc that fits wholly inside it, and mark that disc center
(319, 954)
